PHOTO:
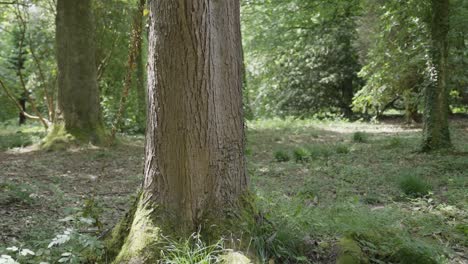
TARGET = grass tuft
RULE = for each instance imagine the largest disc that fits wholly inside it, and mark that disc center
(414, 186)
(282, 156)
(342, 149)
(360, 137)
(301, 155)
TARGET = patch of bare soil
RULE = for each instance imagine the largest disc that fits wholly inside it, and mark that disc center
(39, 188)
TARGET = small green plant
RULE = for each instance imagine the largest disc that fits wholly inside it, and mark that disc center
(248, 152)
(414, 186)
(360, 137)
(15, 193)
(317, 151)
(301, 155)
(191, 250)
(282, 156)
(342, 149)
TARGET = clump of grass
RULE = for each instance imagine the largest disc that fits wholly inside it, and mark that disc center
(282, 156)
(317, 151)
(191, 250)
(360, 137)
(395, 142)
(301, 155)
(342, 149)
(414, 186)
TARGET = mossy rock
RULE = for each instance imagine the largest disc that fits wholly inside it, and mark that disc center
(350, 252)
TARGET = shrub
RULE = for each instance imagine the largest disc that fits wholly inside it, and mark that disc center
(414, 186)
(301, 155)
(360, 137)
(282, 156)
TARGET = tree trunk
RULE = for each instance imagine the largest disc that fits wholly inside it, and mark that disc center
(195, 167)
(22, 116)
(436, 128)
(347, 94)
(140, 74)
(78, 106)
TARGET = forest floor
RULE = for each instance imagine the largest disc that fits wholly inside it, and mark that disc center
(316, 182)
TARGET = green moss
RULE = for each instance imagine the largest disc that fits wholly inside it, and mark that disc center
(115, 239)
(61, 138)
(350, 252)
(140, 245)
(140, 236)
(57, 139)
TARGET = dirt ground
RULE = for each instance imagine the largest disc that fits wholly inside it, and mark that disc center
(51, 184)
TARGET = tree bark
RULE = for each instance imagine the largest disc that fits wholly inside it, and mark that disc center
(436, 128)
(78, 106)
(140, 72)
(195, 167)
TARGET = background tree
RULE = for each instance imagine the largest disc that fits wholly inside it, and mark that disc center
(394, 37)
(436, 127)
(78, 112)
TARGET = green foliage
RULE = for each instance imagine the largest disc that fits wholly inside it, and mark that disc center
(282, 156)
(414, 186)
(32, 53)
(301, 155)
(270, 240)
(16, 137)
(360, 137)
(70, 246)
(191, 250)
(11, 192)
(396, 36)
(299, 56)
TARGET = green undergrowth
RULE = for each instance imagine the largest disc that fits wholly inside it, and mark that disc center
(13, 136)
(397, 204)
(323, 195)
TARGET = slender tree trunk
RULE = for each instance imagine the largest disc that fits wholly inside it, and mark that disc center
(78, 106)
(436, 128)
(22, 116)
(347, 96)
(195, 167)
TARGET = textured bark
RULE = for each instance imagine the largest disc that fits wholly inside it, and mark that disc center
(195, 166)
(195, 140)
(436, 128)
(78, 106)
(140, 73)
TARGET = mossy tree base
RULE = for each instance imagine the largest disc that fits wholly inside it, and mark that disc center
(142, 233)
(61, 138)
